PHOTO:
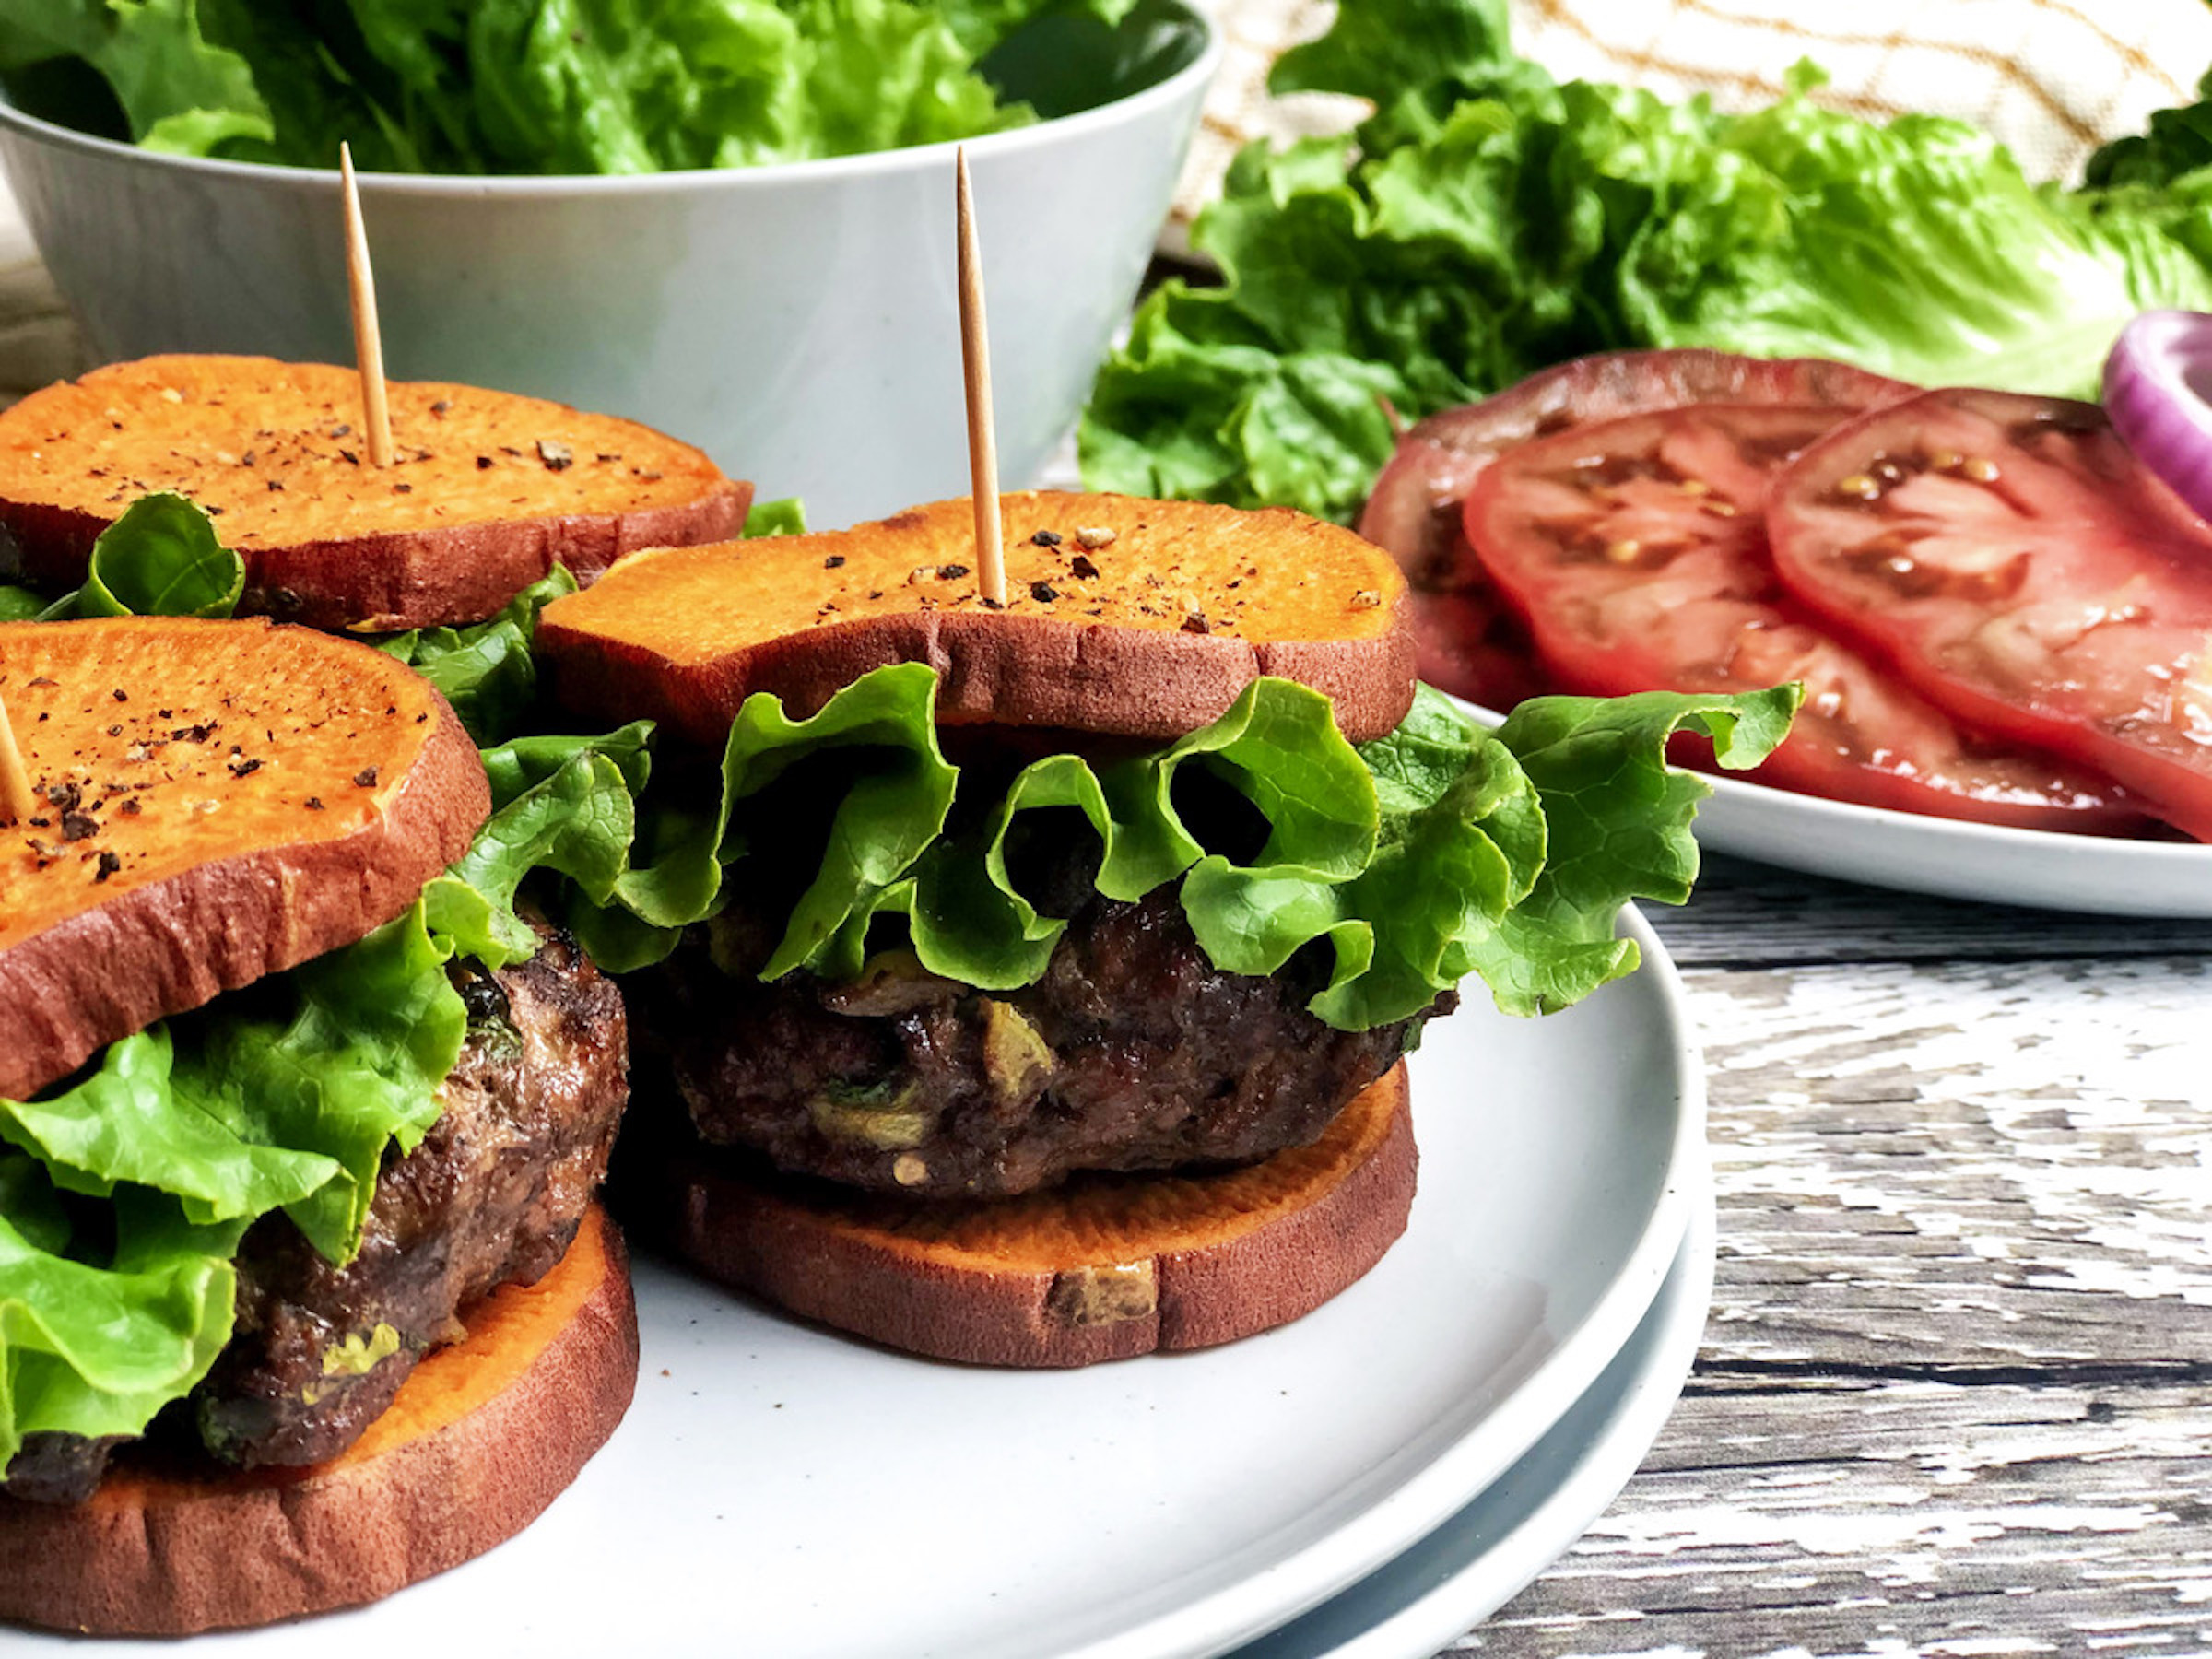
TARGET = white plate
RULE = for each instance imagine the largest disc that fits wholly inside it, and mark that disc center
(1495, 1548)
(1948, 857)
(780, 1490)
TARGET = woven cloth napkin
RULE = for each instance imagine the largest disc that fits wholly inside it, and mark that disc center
(2052, 79)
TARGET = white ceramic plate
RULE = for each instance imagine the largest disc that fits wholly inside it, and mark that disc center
(1532, 1514)
(779, 1489)
(1948, 857)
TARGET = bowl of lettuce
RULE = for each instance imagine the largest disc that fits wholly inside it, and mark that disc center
(729, 218)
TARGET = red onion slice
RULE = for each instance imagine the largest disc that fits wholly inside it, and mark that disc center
(2158, 395)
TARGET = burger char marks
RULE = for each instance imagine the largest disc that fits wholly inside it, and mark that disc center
(493, 1195)
(1133, 1052)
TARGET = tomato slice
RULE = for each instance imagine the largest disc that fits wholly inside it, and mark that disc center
(1414, 508)
(1471, 642)
(2018, 565)
(1636, 550)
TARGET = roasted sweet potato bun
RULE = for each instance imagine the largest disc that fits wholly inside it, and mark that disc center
(218, 801)
(1123, 616)
(488, 492)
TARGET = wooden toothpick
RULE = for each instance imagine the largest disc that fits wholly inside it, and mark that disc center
(975, 364)
(367, 340)
(16, 801)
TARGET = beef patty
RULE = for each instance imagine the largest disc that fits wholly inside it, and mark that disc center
(1133, 1052)
(492, 1196)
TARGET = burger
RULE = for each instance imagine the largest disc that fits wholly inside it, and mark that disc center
(294, 1101)
(1026, 980)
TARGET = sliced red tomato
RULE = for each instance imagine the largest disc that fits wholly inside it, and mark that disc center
(1414, 509)
(1636, 550)
(1472, 642)
(2013, 562)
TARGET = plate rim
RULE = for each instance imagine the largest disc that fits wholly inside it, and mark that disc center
(1272, 1595)
(1638, 1405)
(1959, 859)
(1854, 814)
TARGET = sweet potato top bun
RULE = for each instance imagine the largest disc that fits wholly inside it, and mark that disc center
(214, 801)
(1123, 616)
(488, 492)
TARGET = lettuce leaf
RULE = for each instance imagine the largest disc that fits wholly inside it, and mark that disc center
(174, 89)
(485, 670)
(1487, 222)
(785, 517)
(2177, 143)
(575, 821)
(1617, 826)
(517, 86)
(161, 558)
(95, 1342)
(1438, 851)
(281, 1098)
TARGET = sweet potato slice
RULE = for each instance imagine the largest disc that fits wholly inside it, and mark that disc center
(483, 1436)
(218, 801)
(1123, 616)
(1102, 1268)
(488, 490)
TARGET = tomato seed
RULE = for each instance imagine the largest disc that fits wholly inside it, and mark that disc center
(1860, 486)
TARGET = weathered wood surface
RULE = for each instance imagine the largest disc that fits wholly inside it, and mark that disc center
(1956, 1392)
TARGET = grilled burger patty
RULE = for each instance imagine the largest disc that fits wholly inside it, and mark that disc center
(1133, 1052)
(493, 1195)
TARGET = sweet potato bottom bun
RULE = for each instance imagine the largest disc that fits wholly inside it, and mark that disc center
(484, 1435)
(1108, 1266)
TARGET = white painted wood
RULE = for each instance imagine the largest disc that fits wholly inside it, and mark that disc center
(1955, 1393)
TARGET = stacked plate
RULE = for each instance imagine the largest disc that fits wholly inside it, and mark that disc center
(1951, 858)
(1372, 1479)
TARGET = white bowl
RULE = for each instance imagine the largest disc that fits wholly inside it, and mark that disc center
(798, 321)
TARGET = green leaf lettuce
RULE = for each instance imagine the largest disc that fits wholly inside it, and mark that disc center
(1438, 850)
(517, 86)
(1487, 222)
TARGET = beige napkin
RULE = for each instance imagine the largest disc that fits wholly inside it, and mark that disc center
(2050, 79)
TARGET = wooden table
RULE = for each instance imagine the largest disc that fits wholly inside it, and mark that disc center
(1955, 1397)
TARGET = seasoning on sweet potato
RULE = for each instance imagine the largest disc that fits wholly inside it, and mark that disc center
(490, 489)
(1123, 616)
(220, 801)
